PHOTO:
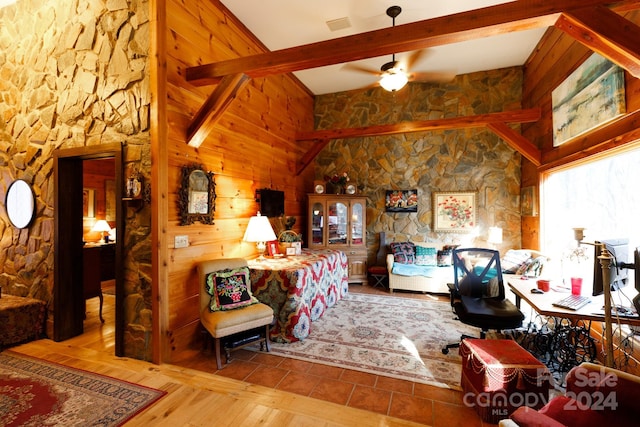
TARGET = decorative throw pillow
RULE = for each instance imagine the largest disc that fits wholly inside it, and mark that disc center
(403, 252)
(426, 256)
(229, 289)
(514, 259)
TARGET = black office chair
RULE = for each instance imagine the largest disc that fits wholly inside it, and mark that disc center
(478, 295)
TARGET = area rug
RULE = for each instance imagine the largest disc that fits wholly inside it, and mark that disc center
(35, 392)
(385, 335)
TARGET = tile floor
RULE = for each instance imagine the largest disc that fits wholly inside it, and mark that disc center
(398, 398)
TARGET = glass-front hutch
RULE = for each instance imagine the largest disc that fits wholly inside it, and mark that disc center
(339, 222)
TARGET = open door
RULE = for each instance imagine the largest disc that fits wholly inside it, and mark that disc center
(68, 295)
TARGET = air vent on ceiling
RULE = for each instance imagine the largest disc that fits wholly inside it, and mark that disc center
(339, 24)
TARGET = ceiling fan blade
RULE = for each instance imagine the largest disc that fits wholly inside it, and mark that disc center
(433, 76)
(359, 69)
(414, 57)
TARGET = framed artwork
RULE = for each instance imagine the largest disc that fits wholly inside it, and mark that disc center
(272, 247)
(298, 248)
(528, 201)
(110, 199)
(591, 96)
(291, 251)
(401, 201)
(454, 212)
(88, 202)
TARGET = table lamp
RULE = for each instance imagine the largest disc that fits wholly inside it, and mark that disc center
(259, 230)
(102, 226)
(495, 235)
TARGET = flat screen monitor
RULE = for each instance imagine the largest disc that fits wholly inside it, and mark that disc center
(619, 249)
(271, 203)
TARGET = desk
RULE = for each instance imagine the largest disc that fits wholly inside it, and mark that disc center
(561, 341)
(98, 265)
(299, 289)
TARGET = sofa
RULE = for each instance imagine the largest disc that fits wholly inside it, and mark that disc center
(595, 396)
(414, 267)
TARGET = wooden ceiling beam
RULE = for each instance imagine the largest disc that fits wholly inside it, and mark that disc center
(214, 107)
(480, 120)
(489, 21)
(518, 142)
(607, 33)
(494, 121)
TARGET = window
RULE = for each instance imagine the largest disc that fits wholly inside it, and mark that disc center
(601, 195)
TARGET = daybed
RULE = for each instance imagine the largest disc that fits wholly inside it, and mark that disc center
(426, 276)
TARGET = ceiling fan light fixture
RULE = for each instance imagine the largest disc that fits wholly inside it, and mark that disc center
(393, 80)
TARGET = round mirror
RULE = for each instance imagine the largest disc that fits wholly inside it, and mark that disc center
(20, 204)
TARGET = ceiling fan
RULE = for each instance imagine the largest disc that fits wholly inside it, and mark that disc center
(394, 75)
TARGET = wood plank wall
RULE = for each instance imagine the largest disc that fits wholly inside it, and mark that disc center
(553, 61)
(252, 147)
(555, 58)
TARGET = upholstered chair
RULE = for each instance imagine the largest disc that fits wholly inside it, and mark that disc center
(228, 310)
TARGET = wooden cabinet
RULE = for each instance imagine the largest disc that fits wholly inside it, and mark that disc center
(339, 222)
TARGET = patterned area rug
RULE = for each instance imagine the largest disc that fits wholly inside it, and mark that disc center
(390, 336)
(35, 392)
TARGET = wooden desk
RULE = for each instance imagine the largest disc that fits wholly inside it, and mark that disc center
(543, 303)
(563, 338)
(98, 265)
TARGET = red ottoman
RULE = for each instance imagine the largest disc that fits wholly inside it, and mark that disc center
(499, 376)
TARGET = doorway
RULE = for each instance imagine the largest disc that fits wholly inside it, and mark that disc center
(72, 209)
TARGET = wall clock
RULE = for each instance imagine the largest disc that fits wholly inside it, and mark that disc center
(20, 204)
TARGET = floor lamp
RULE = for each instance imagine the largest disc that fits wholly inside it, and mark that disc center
(605, 261)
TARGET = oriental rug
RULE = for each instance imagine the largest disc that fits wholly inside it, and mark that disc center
(35, 392)
(386, 335)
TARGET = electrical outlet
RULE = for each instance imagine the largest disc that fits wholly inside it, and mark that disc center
(181, 242)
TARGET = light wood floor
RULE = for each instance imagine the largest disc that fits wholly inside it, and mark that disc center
(197, 398)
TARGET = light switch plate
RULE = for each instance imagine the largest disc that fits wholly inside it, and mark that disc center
(181, 242)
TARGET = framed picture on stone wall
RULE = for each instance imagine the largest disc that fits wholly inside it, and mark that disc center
(454, 212)
(401, 201)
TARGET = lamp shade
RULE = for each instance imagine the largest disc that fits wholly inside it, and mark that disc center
(393, 80)
(259, 230)
(495, 235)
(101, 226)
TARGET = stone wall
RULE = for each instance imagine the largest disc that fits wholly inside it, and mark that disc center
(74, 73)
(450, 160)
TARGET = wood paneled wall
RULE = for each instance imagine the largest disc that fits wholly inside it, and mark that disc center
(555, 58)
(253, 146)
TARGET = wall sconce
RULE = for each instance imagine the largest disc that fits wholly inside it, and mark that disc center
(259, 230)
(578, 234)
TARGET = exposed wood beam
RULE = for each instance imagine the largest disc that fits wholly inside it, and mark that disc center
(214, 107)
(517, 142)
(607, 33)
(480, 120)
(494, 20)
(310, 155)
(497, 120)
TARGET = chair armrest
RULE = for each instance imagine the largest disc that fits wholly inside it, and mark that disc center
(527, 417)
(390, 261)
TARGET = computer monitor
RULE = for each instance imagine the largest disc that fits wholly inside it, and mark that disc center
(619, 250)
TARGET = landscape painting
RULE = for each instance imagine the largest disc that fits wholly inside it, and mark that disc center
(591, 96)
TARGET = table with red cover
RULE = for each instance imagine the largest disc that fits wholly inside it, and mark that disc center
(299, 289)
(21, 319)
(498, 376)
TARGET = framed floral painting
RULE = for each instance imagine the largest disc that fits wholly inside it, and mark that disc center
(454, 212)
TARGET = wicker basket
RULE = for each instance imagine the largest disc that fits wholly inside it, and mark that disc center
(287, 235)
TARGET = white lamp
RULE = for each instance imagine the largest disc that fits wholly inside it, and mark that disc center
(393, 80)
(495, 235)
(103, 227)
(259, 230)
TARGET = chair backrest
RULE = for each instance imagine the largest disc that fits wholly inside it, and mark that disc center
(209, 266)
(477, 273)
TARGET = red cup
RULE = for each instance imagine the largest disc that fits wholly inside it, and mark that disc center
(544, 285)
(576, 285)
